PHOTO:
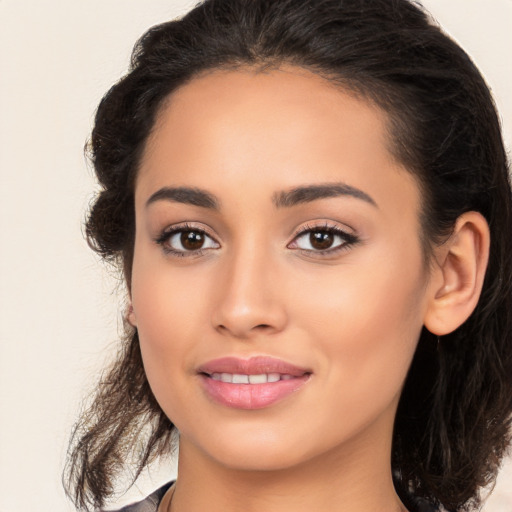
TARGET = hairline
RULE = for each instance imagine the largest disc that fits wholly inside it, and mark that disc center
(351, 85)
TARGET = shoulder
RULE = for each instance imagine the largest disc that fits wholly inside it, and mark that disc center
(149, 504)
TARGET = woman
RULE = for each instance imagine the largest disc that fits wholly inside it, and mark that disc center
(311, 206)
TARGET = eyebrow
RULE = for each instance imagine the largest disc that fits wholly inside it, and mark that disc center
(306, 194)
(186, 195)
(284, 199)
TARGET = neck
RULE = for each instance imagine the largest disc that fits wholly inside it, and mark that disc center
(354, 478)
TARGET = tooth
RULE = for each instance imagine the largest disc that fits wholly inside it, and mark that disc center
(258, 379)
(240, 379)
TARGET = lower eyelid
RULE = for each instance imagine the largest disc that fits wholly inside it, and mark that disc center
(346, 240)
(209, 240)
(342, 239)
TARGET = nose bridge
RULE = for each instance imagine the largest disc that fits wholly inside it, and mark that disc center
(248, 298)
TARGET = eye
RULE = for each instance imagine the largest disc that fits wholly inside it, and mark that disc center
(185, 241)
(321, 240)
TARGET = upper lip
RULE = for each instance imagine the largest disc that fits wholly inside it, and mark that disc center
(252, 366)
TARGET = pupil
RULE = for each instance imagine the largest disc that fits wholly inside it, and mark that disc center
(321, 239)
(192, 240)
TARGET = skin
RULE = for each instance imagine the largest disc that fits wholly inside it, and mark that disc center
(351, 316)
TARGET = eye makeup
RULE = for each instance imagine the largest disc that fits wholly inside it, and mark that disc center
(322, 240)
(190, 240)
(186, 240)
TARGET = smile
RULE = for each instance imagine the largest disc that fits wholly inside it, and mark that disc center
(240, 378)
(253, 383)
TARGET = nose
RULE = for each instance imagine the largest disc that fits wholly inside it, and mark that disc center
(249, 300)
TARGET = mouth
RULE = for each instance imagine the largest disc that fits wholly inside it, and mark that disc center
(253, 383)
(241, 378)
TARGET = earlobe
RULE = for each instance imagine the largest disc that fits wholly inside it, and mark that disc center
(458, 275)
(130, 316)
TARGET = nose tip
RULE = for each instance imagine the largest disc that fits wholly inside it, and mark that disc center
(246, 324)
(246, 320)
(249, 303)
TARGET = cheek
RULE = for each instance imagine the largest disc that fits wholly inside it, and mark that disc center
(166, 299)
(169, 311)
(366, 323)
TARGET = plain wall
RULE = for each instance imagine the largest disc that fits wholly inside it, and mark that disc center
(59, 310)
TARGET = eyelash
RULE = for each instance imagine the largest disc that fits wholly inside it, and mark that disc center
(168, 233)
(348, 240)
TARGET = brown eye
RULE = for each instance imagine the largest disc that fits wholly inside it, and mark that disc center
(321, 240)
(192, 240)
(186, 241)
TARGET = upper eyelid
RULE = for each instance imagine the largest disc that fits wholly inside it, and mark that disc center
(165, 235)
(350, 237)
(304, 229)
(188, 226)
(325, 226)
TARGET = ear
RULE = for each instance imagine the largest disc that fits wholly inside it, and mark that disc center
(130, 316)
(458, 274)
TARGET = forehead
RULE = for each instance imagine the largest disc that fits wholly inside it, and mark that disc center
(290, 99)
(283, 126)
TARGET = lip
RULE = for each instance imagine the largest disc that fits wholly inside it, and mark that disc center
(251, 396)
(252, 366)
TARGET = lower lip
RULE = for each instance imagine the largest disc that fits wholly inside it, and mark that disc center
(251, 396)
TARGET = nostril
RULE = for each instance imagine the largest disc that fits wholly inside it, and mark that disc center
(243, 321)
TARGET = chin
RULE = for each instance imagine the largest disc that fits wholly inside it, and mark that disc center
(256, 458)
(248, 450)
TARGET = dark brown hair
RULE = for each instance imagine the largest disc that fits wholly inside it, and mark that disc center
(453, 421)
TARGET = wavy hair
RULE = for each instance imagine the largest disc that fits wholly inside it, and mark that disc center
(453, 422)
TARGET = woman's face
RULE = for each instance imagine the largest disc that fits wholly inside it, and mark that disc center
(278, 286)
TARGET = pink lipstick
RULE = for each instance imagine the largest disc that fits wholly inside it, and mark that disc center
(252, 383)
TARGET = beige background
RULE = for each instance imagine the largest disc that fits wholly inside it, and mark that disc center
(59, 312)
